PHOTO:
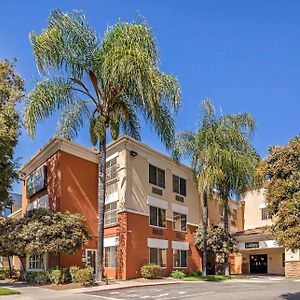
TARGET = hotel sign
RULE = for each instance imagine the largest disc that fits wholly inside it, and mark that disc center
(251, 245)
(36, 181)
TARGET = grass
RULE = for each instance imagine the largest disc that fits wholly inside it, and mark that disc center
(5, 291)
(211, 278)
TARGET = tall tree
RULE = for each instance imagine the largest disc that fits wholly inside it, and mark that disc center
(282, 171)
(11, 92)
(222, 158)
(109, 83)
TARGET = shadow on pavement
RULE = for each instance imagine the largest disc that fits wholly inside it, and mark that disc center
(291, 296)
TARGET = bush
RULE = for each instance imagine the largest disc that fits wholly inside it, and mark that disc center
(177, 274)
(29, 276)
(195, 274)
(84, 276)
(5, 272)
(150, 271)
(66, 275)
(73, 270)
(56, 276)
(40, 277)
(2, 276)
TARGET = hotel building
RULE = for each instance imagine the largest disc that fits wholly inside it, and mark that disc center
(152, 209)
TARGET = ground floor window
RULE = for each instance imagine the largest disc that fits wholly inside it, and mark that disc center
(36, 262)
(158, 256)
(110, 257)
(179, 258)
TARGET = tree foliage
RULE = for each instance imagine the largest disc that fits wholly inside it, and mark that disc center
(282, 170)
(42, 231)
(219, 242)
(11, 92)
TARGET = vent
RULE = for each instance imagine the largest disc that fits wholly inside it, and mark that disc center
(156, 191)
(157, 231)
(179, 198)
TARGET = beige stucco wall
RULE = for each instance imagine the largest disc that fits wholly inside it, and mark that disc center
(252, 215)
(138, 186)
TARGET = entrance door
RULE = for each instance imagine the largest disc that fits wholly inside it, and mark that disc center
(259, 263)
(91, 258)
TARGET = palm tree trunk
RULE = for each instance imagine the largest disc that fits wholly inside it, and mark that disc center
(101, 207)
(226, 259)
(205, 227)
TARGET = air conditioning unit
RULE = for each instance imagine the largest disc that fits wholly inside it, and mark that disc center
(179, 198)
(156, 191)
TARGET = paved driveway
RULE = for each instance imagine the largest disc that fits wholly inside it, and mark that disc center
(253, 289)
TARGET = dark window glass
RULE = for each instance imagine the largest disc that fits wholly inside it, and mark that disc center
(161, 217)
(175, 184)
(183, 258)
(179, 185)
(153, 256)
(182, 187)
(180, 258)
(158, 257)
(152, 175)
(179, 221)
(156, 176)
(183, 222)
(157, 216)
(153, 216)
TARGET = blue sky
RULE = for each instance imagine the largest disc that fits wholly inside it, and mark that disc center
(244, 55)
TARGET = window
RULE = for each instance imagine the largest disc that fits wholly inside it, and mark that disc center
(234, 214)
(157, 216)
(156, 176)
(36, 262)
(110, 214)
(111, 169)
(179, 222)
(179, 185)
(179, 258)
(110, 257)
(158, 257)
(265, 214)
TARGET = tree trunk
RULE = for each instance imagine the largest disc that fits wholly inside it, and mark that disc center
(205, 227)
(101, 208)
(226, 229)
(9, 265)
(22, 262)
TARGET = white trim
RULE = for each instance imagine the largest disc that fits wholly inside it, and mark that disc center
(157, 243)
(113, 197)
(154, 162)
(45, 261)
(262, 205)
(180, 245)
(111, 241)
(116, 154)
(157, 202)
(180, 209)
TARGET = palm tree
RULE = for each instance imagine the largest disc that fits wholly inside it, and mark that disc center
(107, 83)
(222, 158)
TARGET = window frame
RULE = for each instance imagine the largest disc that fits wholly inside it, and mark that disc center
(180, 222)
(35, 261)
(157, 256)
(111, 169)
(180, 259)
(156, 179)
(111, 211)
(157, 216)
(110, 257)
(180, 180)
(266, 214)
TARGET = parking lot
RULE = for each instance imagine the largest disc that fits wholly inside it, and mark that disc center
(235, 289)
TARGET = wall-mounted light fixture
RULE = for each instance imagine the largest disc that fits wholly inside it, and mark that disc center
(133, 153)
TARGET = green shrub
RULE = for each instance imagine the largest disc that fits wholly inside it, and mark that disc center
(56, 276)
(177, 274)
(41, 277)
(195, 274)
(84, 276)
(73, 270)
(2, 276)
(29, 276)
(7, 273)
(150, 271)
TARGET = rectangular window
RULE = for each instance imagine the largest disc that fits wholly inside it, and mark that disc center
(179, 185)
(157, 216)
(156, 176)
(36, 262)
(179, 222)
(158, 257)
(234, 215)
(111, 169)
(265, 215)
(111, 213)
(110, 257)
(179, 258)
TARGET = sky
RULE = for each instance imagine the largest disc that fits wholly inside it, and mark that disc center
(243, 55)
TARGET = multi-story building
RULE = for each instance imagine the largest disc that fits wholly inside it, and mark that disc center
(260, 253)
(152, 206)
